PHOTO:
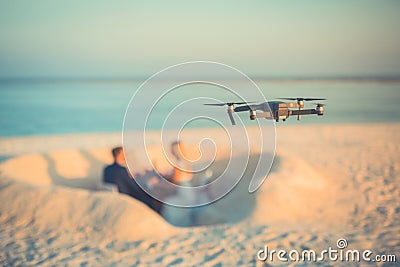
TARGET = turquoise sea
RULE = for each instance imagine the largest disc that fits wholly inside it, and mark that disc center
(43, 107)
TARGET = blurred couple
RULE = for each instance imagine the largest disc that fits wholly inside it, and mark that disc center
(181, 174)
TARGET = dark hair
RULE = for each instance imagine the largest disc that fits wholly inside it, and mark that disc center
(115, 151)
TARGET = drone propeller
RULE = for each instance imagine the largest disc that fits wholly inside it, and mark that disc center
(227, 104)
(301, 98)
(220, 104)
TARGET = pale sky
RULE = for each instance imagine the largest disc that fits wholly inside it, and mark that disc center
(47, 38)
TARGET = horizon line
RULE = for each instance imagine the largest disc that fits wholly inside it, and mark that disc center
(283, 78)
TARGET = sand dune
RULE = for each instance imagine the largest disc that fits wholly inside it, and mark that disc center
(71, 210)
(327, 182)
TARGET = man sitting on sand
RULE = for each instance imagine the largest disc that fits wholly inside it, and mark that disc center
(117, 174)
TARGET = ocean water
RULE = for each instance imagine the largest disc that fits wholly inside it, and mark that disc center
(56, 107)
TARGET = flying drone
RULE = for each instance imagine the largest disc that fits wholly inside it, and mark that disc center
(274, 110)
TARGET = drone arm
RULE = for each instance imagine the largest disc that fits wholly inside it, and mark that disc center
(242, 108)
(303, 112)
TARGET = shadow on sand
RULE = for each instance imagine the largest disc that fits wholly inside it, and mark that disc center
(92, 181)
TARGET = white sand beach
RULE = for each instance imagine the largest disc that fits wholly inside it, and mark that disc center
(327, 182)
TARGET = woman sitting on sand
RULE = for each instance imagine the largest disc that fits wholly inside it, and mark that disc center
(181, 175)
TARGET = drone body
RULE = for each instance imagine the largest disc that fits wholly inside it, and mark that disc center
(274, 110)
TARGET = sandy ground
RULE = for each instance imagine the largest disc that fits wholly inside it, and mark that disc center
(327, 182)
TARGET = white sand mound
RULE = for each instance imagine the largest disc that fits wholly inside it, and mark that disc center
(31, 169)
(300, 192)
(72, 210)
(71, 168)
(46, 192)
